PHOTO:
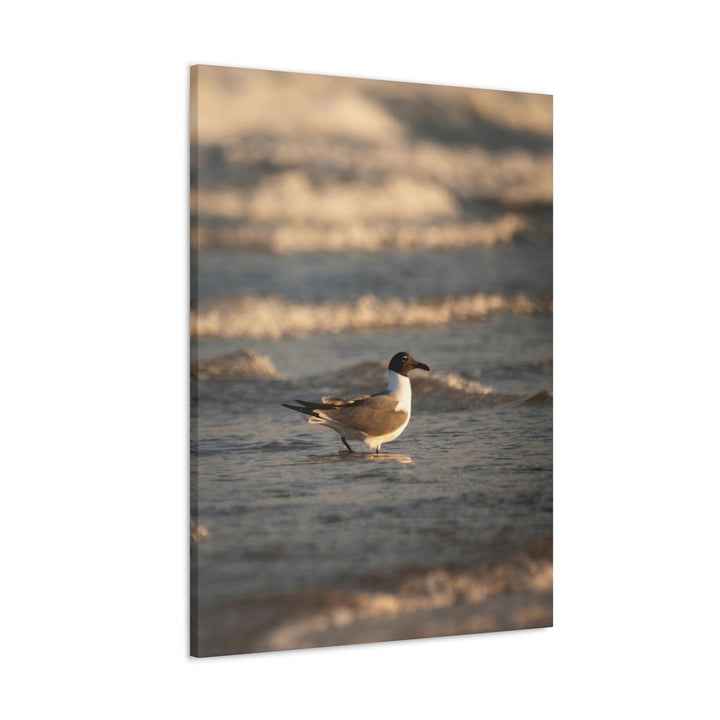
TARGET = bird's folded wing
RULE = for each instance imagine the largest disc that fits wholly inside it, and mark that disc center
(329, 403)
(374, 415)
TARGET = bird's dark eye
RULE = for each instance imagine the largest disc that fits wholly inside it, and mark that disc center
(404, 358)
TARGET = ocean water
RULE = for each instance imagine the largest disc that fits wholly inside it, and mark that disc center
(318, 255)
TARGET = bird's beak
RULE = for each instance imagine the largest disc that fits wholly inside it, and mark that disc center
(421, 366)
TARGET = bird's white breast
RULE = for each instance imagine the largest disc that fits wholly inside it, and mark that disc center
(399, 388)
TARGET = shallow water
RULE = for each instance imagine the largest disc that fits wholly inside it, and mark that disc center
(449, 528)
(289, 510)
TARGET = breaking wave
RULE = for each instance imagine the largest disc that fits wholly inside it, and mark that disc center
(514, 176)
(508, 594)
(275, 317)
(438, 602)
(291, 197)
(361, 235)
(450, 391)
(241, 364)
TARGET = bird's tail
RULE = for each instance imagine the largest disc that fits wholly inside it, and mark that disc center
(308, 408)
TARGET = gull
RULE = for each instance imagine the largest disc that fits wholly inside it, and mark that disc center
(374, 419)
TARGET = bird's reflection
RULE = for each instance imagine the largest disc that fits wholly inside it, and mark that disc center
(345, 456)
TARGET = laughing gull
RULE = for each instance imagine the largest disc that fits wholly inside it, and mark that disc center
(374, 419)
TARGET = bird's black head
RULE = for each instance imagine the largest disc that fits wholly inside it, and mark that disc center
(403, 362)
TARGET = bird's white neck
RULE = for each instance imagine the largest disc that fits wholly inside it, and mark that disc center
(399, 387)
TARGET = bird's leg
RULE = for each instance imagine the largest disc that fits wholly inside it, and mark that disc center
(377, 450)
(345, 443)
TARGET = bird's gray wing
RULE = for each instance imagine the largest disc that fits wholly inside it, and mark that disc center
(328, 403)
(374, 415)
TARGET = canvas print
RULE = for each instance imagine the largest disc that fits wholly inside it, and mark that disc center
(371, 361)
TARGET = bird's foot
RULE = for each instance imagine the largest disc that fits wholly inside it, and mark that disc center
(346, 444)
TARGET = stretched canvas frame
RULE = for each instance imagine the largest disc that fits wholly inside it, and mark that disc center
(334, 223)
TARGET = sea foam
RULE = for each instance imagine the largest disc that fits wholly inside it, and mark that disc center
(275, 317)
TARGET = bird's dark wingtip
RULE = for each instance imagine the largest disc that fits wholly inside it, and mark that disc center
(304, 410)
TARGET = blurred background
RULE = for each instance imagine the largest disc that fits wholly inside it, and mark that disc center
(334, 222)
(295, 163)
